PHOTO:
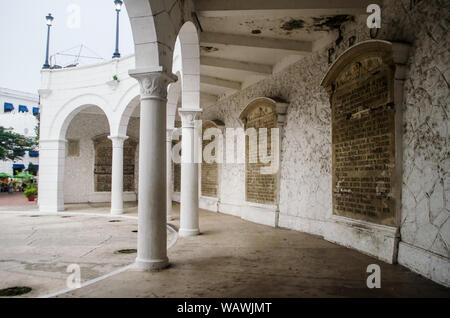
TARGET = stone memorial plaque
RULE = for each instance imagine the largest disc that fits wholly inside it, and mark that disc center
(363, 140)
(260, 188)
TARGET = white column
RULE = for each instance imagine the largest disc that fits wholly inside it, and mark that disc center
(169, 173)
(189, 224)
(52, 154)
(117, 174)
(152, 220)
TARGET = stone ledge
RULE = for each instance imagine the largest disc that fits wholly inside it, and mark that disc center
(230, 208)
(297, 223)
(260, 213)
(209, 203)
(425, 263)
(372, 239)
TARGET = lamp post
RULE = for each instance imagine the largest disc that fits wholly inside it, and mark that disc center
(49, 20)
(118, 4)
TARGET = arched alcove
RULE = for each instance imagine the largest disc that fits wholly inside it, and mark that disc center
(361, 88)
(262, 178)
(365, 86)
(261, 186)
(79, 156)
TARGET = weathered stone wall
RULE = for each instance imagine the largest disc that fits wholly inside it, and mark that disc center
(426, 140)
(305, 185)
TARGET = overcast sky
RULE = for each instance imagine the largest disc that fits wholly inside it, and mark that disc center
(23, 35)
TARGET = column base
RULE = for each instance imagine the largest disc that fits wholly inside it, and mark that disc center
(188, 232)
(116, 211)
(151, 264)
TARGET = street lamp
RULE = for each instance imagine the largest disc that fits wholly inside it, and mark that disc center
(118, 4)
(49, 21)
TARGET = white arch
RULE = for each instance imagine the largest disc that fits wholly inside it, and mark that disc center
(52, 151)
(154, 24)
(60, 122)
(125, 107)
(187, 62)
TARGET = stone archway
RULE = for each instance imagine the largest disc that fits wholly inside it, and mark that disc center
(53, 155)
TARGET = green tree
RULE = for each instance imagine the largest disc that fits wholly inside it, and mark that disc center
(36, 128)
(14, 145)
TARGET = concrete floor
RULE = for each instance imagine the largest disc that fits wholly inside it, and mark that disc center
(236, 258)
(231, 258)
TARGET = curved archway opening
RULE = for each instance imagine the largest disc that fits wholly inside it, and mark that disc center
(187, 62)
(87, 157)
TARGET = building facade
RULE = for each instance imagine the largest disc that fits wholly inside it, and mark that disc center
(361, 115)
(19, 111)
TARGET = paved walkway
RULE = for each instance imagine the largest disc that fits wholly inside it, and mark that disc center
(16, 201)
(231, 258)
(36, 249)
(236, 258)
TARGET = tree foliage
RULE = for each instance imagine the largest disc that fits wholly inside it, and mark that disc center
(14, 145)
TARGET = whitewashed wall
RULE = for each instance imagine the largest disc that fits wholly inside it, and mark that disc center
(305, 189)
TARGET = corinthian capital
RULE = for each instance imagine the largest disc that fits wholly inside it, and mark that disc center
(189, 116)
(153, 83)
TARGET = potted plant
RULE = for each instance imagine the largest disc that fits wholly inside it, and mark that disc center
(114, 82)
(30, 192)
